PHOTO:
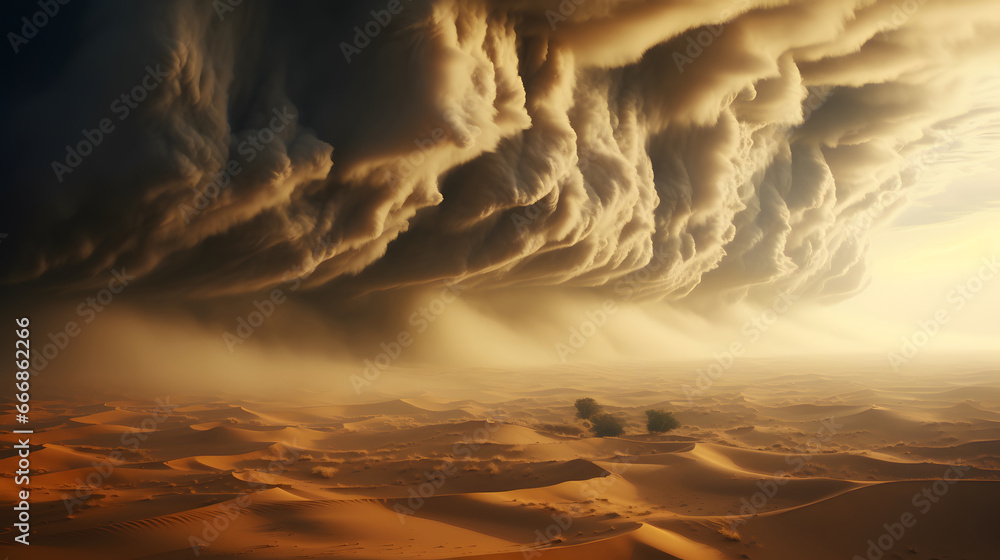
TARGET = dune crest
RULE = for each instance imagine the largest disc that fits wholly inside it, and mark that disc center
(757, 470)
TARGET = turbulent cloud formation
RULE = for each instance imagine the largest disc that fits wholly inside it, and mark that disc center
(709, 148)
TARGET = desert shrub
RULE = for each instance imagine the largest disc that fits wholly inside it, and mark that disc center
(587, 407)
(606, 425)
(658, 421)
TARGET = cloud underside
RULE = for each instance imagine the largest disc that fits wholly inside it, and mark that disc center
(701, 151)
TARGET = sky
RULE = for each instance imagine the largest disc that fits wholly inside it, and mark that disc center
(491, 178)
(938, 243)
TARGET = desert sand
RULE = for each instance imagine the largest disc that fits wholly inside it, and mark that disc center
(768, 464)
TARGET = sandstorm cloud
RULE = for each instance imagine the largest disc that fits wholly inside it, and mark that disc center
(716, 150)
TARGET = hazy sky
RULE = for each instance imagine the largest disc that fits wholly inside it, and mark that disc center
(688, 162)
(936, 244)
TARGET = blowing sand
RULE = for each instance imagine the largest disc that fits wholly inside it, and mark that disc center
(803, 466)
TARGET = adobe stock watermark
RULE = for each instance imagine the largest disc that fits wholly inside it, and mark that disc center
(922, 161)
(769, 488)
(223, 7)
(249, 149)
(562, 521)
(129, 440)
(366, 33)
(122, 106)
(463, 134)
(246, 326)
(923, 501)
(87, 310)
(698, 42)
(566, 9)
(265, 308)
(627, 288)
(929, 328)
(864, 221)
(30, 27)
(226, 512)
(751, 330)
(580, 334)
(816, 97)
(919, 164)
(524, 216)
(419, 493)
(420, 320)
(901, 13)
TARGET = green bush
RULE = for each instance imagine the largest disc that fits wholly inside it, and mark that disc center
(658, 421)
(606, 425)
(585, 408)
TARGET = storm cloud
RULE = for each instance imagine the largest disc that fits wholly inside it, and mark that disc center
(706, 151)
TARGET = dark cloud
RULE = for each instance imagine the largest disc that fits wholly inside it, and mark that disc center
(723, 146)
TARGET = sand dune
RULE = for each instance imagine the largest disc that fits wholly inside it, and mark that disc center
(781, 468)
(962, 524)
